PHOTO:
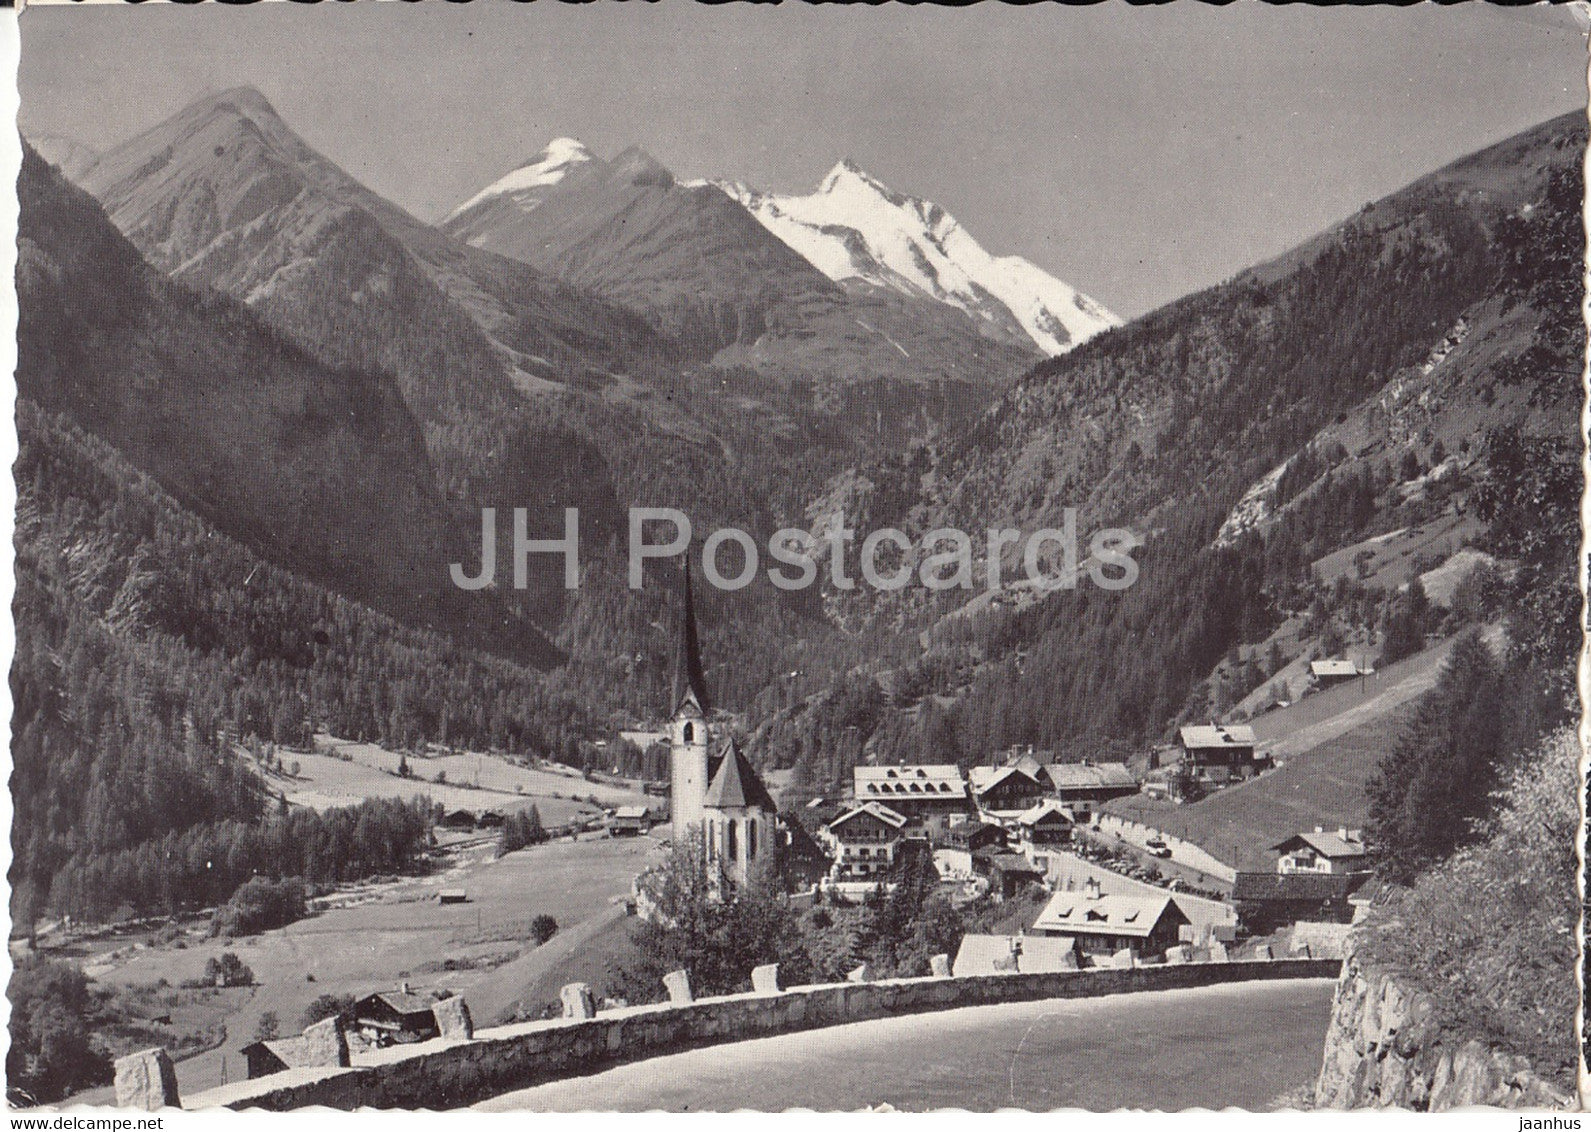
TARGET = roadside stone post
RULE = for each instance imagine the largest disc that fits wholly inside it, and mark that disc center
(453, 1018)
(146, 1080)
(858, 976)
(765, 979)
(678, 985)
(940, 966)
(579, 1001)
(325, 1043)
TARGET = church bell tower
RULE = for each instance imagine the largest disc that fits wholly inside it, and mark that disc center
(687, 729)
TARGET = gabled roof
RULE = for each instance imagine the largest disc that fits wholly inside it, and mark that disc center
(1328, 844)
(1334, 668)
(1126, 915)
(736, 785)
(1296, 886)
(396, 1001)
(877, 809)
(1091, 776)
(997, 954)
(986, 778)
(1215, 735)
(1047, 811)
(630, 812)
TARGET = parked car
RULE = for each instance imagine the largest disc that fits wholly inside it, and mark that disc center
(1158, 847)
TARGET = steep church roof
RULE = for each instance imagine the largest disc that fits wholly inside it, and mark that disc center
(689, 680)
(736, 784)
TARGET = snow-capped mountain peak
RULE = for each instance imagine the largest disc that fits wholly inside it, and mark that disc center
(526, 184)
(854, 227)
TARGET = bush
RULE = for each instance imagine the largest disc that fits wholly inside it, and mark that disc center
(258, 906)
(543, 928)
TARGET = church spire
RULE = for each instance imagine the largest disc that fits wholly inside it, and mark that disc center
(688, 677)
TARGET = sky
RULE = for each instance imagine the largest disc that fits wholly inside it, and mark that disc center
(1138, 153)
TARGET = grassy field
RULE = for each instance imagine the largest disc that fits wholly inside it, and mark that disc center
(343, 772)
(383, 934)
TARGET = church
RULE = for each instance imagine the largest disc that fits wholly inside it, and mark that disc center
(718, 797)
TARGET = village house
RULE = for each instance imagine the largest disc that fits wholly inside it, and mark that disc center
(1014, 954)
(1085, 786)
(930, 797)
(1218, 753)
(1145, 925)
(394, 1017)
(1330, 673)
(1042, 828)
(1267, 901)
(462, 820)
(864, 841)
(954, 847)
(1007, 873)
(629, 821)
(1004, 792)
(1322, 851)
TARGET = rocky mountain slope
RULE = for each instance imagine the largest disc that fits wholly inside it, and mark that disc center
(855, 229)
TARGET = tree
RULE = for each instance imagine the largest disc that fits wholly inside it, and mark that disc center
(51, 1051)
(326, 1006)
(711, 928)
(228, 971)
(268, 1027)
(1432, 788)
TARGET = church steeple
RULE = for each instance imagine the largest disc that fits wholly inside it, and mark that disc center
(689, 679)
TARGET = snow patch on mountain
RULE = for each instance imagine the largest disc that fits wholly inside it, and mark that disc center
(854, 227)
(546, 169)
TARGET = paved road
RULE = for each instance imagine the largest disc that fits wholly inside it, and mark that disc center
(1241, 1045)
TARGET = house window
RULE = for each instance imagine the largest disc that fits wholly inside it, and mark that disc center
(690, 732)
(730, 847)
(751, 840)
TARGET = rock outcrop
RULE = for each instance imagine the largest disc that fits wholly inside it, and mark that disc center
(1387, 1047)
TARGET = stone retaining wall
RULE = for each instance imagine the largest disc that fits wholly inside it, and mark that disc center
(449, 1073)
(1386, 1049)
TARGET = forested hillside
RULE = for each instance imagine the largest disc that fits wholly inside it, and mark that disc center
(148, 643)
